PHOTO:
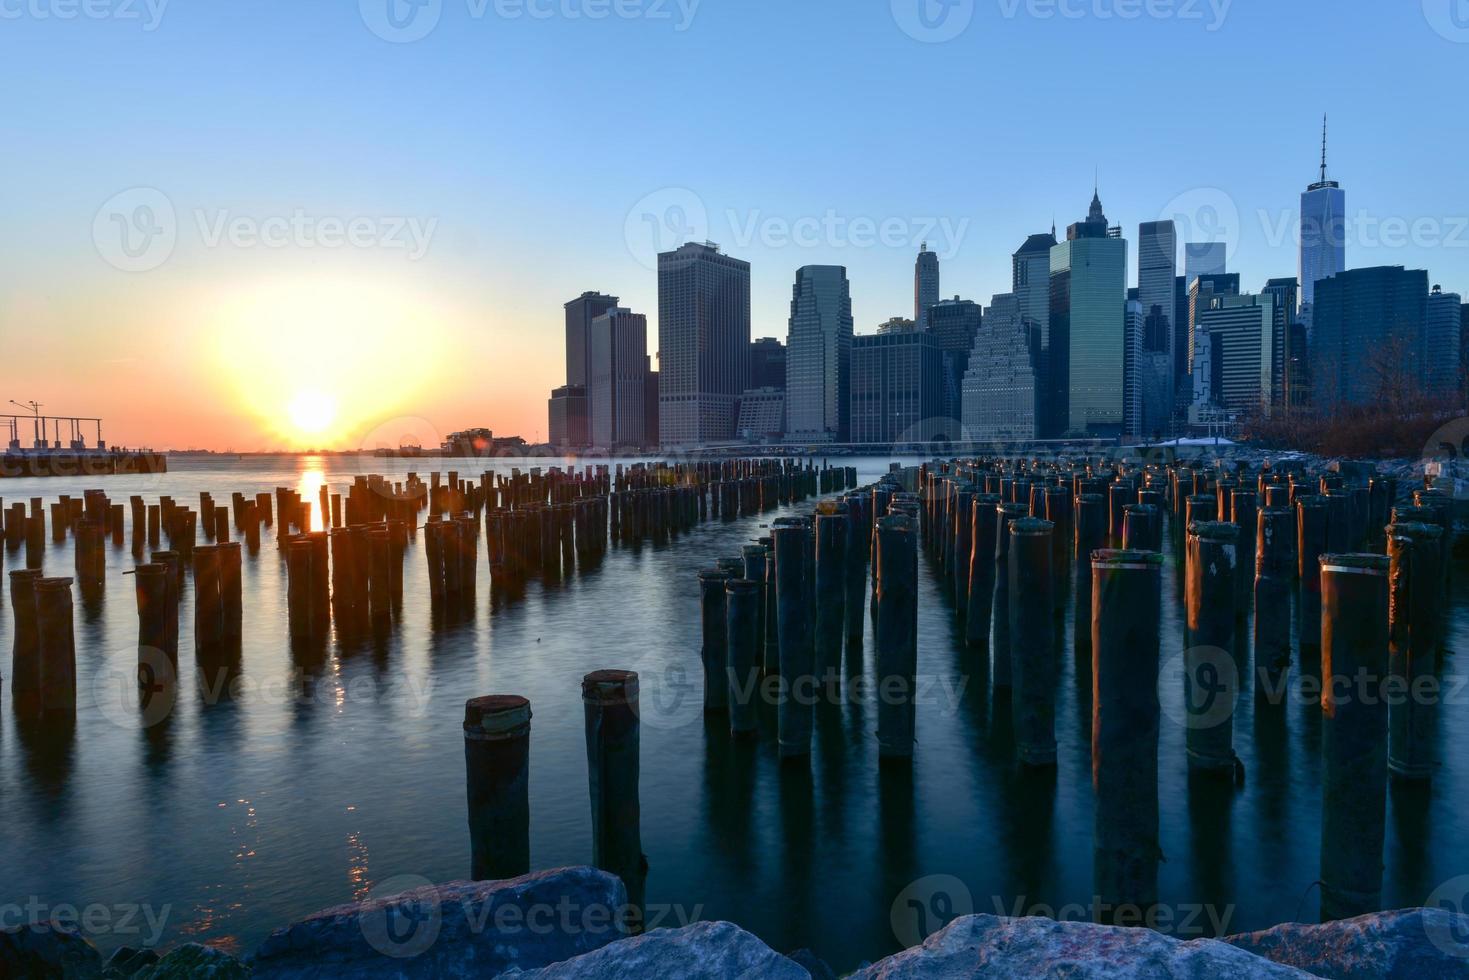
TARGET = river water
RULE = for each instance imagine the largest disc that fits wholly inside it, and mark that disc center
(250, 807)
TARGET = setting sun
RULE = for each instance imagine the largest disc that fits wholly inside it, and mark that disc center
(312, 412)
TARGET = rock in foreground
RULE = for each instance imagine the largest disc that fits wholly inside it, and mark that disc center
(702, 951)
(462, 929)
(1414, 944)
(987, 946)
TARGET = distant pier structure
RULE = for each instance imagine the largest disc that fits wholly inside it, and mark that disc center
(57, 446)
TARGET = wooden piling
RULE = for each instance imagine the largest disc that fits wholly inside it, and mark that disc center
(497, 785)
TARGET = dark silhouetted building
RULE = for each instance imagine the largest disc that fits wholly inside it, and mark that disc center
(1369, 335)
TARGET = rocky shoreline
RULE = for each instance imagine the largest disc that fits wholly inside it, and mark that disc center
(563, 925)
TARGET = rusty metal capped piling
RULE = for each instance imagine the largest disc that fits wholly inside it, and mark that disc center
(1126, 613)
(497, 781)
(743, 598)
(980, 601)
(1415, 620)
(1210, 673)
(610, 699)
(1354, 650)
(1273, 575)
(895, 629)
(797, 652)
(1032, 637)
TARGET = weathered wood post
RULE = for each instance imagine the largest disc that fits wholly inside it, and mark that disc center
(1354, 645)
(830, 595)
(1033, 694)
(1002, 663)
(1311, 521)
(713, 653)
(1211, 676)
(979, 616)
(1273, 575)
(56, 647)
(25, 653)
(1126, 613)
(610, 698)
(497, 784)
(896, 639)
(743, 598)
(1091, 535)
(797, 653)
(1415, 628)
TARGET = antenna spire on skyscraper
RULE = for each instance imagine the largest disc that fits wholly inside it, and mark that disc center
(1323, 148)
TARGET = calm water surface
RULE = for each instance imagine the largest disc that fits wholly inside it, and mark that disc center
(244, 811)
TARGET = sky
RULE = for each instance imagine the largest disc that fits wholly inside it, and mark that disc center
(257, 224)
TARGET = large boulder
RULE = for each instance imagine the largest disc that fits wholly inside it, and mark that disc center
(712, 950)
(41, 950)
(1413, 944)
(192, 961)
(988, 946)
(462, 929)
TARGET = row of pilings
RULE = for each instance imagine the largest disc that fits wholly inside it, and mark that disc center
(1368, 565)
(641, 504)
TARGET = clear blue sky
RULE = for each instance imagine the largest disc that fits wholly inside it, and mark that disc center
(532, 141)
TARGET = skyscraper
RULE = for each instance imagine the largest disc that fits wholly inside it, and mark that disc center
(925, 285)
(580, 313)
(1084, 387)
(1000, 385)
(1201, 293)
(618, 367)
(1444, 314)
(768, 364)
(954, 324)
(703, 343)
(1323, 230)
(1368, 339)
(1240, 333)
(896, 385)
(819, 355)
(1284, 294)
(1157, 275)
(1203, 259)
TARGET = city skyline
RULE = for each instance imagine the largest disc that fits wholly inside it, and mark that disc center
(450, 315)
